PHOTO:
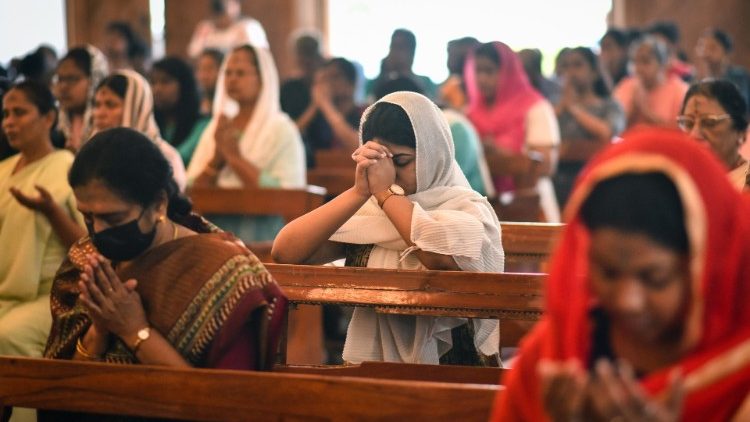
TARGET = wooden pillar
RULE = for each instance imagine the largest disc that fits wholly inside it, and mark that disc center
(87, 19)
(692, 17)
(280, 19)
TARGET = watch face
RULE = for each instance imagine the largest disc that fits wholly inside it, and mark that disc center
(397, 190)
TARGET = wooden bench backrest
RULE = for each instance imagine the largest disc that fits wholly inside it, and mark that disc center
(528, 246)
(289, 203)
(220, 395)
(403, 371)
(515, 299)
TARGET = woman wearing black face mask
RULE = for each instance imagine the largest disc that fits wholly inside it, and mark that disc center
(154, 283)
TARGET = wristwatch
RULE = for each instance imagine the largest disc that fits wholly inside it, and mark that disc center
(394, 189)
(142, 335)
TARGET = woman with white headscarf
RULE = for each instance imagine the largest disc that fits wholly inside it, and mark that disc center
(249, 142)
(124, 99)
(410, 208)
(76, 78)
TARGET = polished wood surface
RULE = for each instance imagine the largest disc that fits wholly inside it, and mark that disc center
(220, 395)
(528, 246)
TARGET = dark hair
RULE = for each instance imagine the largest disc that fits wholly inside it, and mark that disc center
(620, 37)
(132, 166)
(643, 203)
(411, 39)
(469, 42)
(401, 83)
(531, 59)
(218, 7)
(215, 54)
(345, 67)
(40, 95)
(390, 123)
(489, 51)
(667, 29)
(39, 64)
(81, 58)
(187, 110)
(136, 46)
(601, 88)
(721, 37)
(727, 95)
(117, 83)
(307, 45)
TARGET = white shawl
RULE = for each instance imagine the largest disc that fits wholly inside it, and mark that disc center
(138, 114)
(270, 140)
(449, 218)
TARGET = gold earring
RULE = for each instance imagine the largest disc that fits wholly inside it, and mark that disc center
(161, 219)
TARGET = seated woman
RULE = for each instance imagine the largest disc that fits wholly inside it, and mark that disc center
(589, 117)
(715, 113)
(177, 105)
(153, 283)
(38, 218)
(651, 96)
(207, 68)
(124, 99)
(78, 74)
(410, 208)
(647, 315)
(513, 120)
(259, 146)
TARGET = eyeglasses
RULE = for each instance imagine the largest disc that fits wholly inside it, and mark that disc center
(687, 123)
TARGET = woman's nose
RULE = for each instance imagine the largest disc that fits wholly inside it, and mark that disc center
(630, 296)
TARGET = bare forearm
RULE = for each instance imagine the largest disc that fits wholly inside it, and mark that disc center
(64, 226)
(298, 241)
(399, 210)
(341, 129)
(304, 120)
(247, 172)
(591, 123)
(158, 351)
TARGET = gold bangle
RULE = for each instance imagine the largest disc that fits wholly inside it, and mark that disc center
(85, 353)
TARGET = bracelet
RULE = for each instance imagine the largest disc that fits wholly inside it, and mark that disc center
(85, 353)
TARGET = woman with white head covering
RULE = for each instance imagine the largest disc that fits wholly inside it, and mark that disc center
(76, 78)
(249, 142)
(410, 208)
(124, 99)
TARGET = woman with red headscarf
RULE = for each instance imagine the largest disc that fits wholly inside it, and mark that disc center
(646, 316)
(516, 124)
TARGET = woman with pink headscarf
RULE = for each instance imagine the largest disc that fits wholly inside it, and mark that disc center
(516, 124)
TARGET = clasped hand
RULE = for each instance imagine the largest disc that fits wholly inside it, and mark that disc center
(375, 170)
(114, 306)
(612, 392)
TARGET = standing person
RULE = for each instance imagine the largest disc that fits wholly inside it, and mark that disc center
(177, 105)
(249, 142)
(207, 68)
(614, 47)
(532, 64)
(410, 208)
(713, 53)
(124, 48)
(399, 63)
(646, 316)
(78, 74)
(669, 34)
(513, 120)
(226, 29)
(38, 218)
(589, 117)
(651, 96)
(124, 99)
(452, 92)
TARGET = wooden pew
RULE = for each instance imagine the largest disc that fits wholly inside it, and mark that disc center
(334, 170)
(528, 246)
(403, 371)
(288, 203)
(221, 395)
(515, 299)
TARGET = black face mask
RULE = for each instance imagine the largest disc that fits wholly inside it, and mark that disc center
(123, 242)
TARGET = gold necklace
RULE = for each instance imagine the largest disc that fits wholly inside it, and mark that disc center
(176, 228)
